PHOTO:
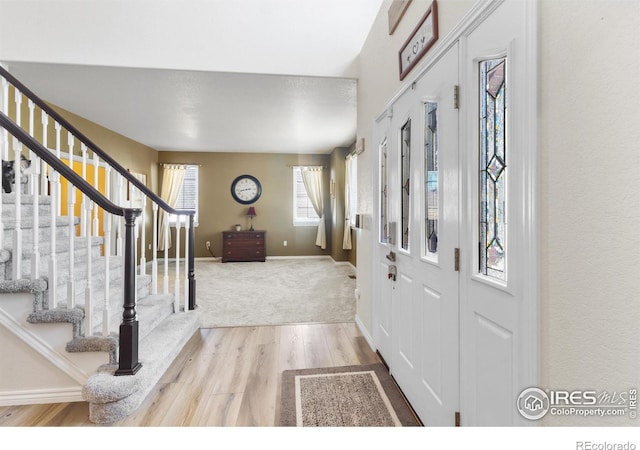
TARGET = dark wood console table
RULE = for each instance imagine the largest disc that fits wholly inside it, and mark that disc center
(243, 246)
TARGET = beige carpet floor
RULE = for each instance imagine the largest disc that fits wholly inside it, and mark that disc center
(274, 292)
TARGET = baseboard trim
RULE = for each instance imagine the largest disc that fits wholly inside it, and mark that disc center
(41, 396)
(365, 333)
(300, 257)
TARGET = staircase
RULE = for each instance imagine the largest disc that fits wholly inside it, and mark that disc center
(79, 304)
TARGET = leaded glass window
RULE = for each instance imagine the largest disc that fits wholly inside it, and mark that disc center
(493, 168)
(384, 201)
(405, 175)
(431, 179)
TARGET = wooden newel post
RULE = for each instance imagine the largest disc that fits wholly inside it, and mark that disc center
(192, 276)
(129, 364)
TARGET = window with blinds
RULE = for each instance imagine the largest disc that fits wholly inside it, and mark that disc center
(303, 212)
(188, 197)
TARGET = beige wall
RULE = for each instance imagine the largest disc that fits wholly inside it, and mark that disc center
(589, 197)
(218, 211)
(379, 81)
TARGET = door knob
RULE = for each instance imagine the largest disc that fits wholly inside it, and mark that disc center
(393, 272)
(391, 256)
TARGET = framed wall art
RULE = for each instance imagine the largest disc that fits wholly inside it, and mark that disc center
(421, 40)
(395, 13)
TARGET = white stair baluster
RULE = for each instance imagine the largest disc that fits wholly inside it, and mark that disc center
(165, 224)
(53, 266)
(43, 164)
(154, 264)
(71, 202)
(16, 257)
(54, 179)
(186, 264)
(119, 229)
(88, 291)
(96, 185)
(143, 241)
(84, 205)
(5, 110)
(107, 219)
(32, 156)
(4, 151)
(35, 191)
(57, 200)
(176, 299)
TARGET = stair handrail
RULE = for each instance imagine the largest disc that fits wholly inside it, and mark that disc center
(122, 171)
(128, 339)
(91, 145)
(62, 168)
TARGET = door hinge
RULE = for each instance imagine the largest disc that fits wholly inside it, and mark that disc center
(456, 97)
(456, 256)
(457, 418)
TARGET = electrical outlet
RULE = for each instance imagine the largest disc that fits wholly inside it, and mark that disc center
(284, 243)
(208, 244)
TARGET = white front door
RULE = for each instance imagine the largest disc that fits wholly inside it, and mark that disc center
(497, 320)
(462, 340)
(418, 305)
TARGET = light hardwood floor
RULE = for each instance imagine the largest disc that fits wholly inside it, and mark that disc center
(223, 377)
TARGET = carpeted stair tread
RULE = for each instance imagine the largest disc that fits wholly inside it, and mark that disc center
(26, 286)
(10, 199)
(45, 222)
(23, 285)
(107, 344)
(111, 397)
(62, 246)
(73, 316)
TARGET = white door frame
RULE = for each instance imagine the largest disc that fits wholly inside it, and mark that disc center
(528, 360)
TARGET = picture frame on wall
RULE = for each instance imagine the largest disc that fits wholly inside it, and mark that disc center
(424, 35)
(395, 13)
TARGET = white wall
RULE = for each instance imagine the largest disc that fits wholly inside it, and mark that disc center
(590, 196)
(378, 82)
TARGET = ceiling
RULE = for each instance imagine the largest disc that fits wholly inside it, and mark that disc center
(275, 75)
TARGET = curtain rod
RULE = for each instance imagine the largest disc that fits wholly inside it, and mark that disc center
(179, 164)
(306, 165)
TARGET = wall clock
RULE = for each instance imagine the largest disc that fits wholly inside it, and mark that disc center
(246, 189)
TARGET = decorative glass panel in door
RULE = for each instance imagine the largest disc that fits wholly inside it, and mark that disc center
(493, 168)
(405, 175)
(384, 201)
(431, 180)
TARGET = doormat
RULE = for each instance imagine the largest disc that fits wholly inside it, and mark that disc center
(349, 396)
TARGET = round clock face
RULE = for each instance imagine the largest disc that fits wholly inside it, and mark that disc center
(246, 189)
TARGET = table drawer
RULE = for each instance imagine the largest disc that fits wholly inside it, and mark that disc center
(242, 235)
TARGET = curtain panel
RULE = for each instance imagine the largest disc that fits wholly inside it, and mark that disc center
(346, 238)
(172, 179)
(312, 178)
